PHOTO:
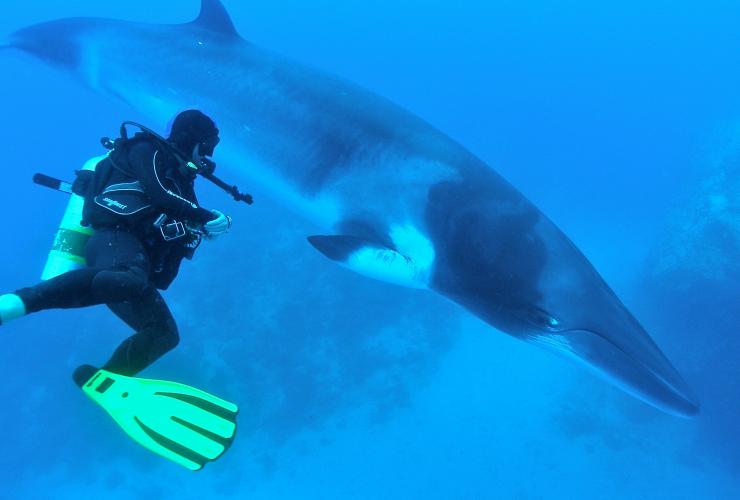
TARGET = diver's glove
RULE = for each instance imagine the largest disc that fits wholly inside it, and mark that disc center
(218, 226)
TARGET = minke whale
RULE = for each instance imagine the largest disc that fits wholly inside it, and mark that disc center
(382, 192)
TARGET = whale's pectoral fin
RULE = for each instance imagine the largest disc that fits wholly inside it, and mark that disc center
(372, 259)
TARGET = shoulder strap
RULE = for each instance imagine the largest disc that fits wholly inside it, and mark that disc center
(119, 155)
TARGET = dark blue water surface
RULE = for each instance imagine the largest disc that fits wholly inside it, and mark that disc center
(619, 120)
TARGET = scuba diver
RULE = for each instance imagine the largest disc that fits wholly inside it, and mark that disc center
(143, 218)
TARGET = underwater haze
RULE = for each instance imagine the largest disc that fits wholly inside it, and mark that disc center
(619, 120)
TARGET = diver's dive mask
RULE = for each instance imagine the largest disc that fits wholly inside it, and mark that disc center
(202, 152)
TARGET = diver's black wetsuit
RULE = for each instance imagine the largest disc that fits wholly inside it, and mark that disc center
(128, 258)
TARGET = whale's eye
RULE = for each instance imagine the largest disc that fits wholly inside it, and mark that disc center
(543, 320)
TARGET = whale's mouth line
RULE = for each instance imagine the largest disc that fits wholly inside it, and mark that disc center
(615, 346)
(597, 352)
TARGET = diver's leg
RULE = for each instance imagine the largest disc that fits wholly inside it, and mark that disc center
(125, 284)
(118, 271)
(66, 291)
(156, 334)
(123, 266)
(85, 287)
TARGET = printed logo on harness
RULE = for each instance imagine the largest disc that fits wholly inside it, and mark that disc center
(114, 203)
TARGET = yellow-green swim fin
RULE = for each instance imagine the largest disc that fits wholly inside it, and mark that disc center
(181, 423)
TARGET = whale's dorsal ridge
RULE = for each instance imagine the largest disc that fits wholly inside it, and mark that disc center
(214, 16)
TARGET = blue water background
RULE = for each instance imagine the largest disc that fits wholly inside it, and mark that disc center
(611, 117)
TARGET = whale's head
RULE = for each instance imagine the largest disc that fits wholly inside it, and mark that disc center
(149, 66)
(57, 43)
(501, 259)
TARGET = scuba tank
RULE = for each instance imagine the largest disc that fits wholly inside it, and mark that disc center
(68, 250)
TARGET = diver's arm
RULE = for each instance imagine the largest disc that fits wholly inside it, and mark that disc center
(146, 160)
